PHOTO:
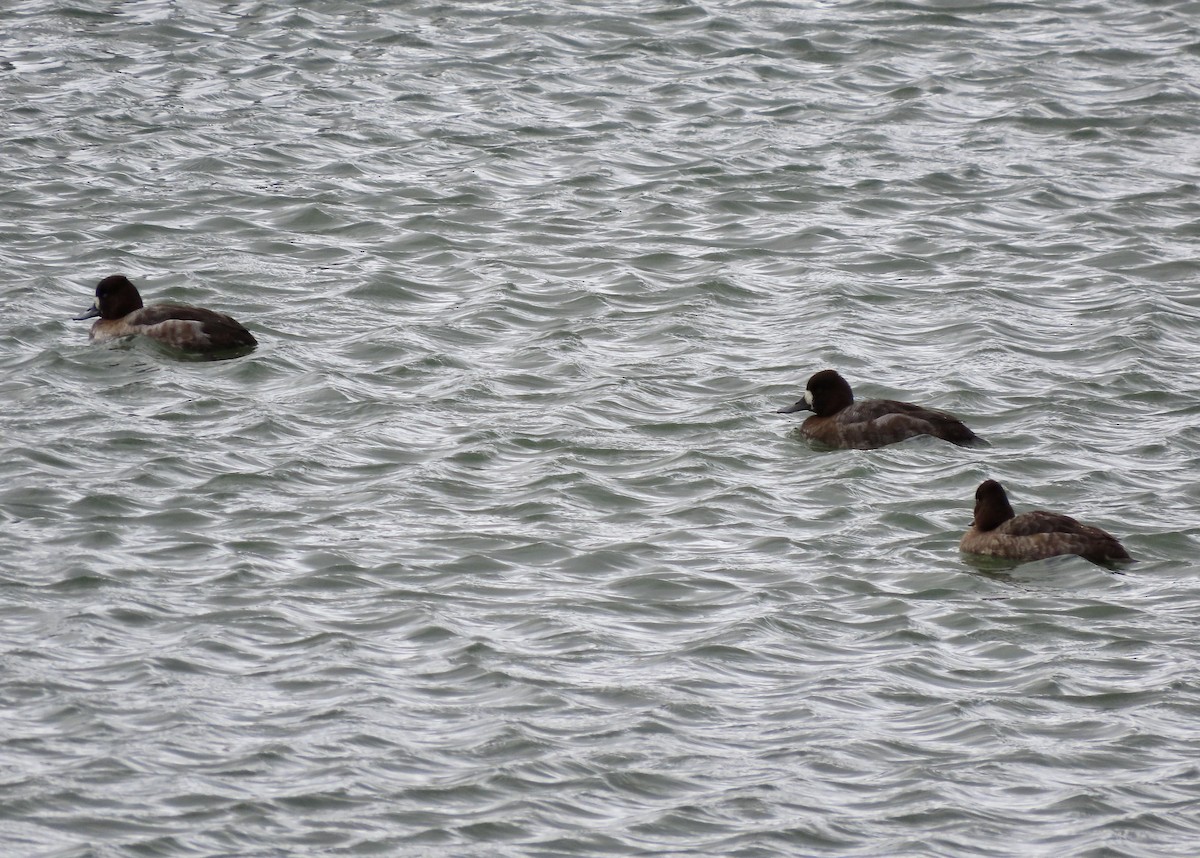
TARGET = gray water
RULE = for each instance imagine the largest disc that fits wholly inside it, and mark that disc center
(494, 547)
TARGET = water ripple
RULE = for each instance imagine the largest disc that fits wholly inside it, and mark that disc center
(495, 546)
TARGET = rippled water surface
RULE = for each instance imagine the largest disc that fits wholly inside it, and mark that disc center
(495, 545)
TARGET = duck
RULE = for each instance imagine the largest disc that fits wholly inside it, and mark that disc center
(191, 329)
(838, 421)
(996, 531)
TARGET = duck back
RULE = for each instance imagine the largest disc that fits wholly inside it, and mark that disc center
(871, 423)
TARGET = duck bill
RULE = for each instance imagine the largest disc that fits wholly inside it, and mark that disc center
(91, 313)
(792, 409)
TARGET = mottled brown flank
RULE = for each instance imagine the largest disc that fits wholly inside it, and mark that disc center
(1035, 535)
(839, 421)
(219, 330)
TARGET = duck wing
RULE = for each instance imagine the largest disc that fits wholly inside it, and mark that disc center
(900, 420)
(1040, 521)
(1060, 534)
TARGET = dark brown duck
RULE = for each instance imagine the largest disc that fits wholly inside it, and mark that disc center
(997, 532)
(192, 329)
(839, 421)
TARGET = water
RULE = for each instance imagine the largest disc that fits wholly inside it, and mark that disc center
(495, 546)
